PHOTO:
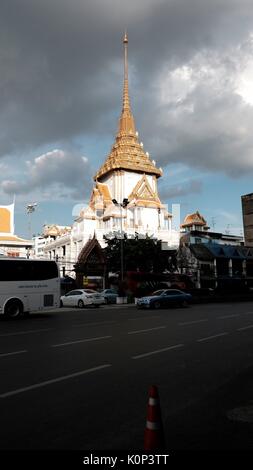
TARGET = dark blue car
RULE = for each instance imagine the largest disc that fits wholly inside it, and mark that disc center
(165, 298)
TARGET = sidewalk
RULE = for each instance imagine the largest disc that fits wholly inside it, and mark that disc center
(102, 307)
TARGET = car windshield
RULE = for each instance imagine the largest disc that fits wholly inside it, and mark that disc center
(173, 292)
(158, 292)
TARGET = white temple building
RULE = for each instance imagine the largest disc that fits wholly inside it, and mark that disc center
(124, 197)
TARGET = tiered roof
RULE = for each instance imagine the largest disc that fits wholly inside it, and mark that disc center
(127, 152)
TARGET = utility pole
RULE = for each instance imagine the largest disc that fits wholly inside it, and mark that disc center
(30, 208)
(121, 205)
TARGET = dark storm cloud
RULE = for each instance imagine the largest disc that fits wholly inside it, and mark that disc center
(182, 189)
(61, 73)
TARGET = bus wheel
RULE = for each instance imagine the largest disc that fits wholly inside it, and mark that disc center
(13, 309)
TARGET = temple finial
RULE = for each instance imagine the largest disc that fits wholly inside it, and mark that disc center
(126, 122)
(126, 103)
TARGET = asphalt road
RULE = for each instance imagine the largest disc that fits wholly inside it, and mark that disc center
(79, 379)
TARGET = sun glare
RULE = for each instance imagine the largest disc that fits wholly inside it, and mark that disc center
(245, 85)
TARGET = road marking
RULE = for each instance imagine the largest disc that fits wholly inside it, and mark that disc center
(211, 337)
(248, 313)
(144, 331)
(77, 325)
(144, 317)
(80, 341)
(27, 332)
(158, 351)
(245, 328)
(228, 316)
(53, 381)
(12, 353)
(192, 322)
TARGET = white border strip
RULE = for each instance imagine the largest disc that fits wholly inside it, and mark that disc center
(53, 381)
(12, 353)
(87, 340)
(211, 337)
(158, 351)
(145, 331)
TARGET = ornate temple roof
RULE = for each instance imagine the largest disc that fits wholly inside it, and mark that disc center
(194, 219)
(127, 152)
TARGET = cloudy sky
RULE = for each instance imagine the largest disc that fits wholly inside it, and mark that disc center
(191, 88)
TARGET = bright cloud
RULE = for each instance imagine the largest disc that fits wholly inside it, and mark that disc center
(65, 173)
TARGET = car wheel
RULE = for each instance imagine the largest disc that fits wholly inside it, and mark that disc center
(13, 309)
(61, 304)
(157, 304)
(185, 303)
(80, 304)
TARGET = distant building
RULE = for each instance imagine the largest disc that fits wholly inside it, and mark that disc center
(11, 244)
(213, 258)
(247, 212)
(194, 221)
(38, 247)
(61, 252)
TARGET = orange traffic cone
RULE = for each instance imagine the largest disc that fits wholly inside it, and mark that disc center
(154, 435)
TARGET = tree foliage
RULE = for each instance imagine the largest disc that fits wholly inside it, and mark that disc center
(139, 254)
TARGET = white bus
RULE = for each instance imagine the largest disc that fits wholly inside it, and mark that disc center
(28, 285)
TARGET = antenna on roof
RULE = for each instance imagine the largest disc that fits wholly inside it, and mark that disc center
(213, 222)
(227, 231)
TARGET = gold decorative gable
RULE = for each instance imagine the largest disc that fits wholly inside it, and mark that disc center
(100, 196)
(143, 193)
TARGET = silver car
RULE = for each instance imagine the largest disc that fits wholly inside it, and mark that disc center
(82, 297)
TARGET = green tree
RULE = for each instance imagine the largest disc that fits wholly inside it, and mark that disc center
(139, 254)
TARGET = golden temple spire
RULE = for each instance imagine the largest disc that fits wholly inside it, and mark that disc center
(127, 152)
(126, 122)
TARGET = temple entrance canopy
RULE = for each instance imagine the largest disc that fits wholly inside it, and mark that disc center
(91, 266)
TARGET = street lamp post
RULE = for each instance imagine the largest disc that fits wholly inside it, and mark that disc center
(29, 209)
(122, 205)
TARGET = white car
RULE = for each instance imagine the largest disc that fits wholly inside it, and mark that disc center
(82, 297)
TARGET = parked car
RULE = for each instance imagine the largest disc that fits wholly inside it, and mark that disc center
(164, 298)
(110, 296)
(82, 297)
(201, 292)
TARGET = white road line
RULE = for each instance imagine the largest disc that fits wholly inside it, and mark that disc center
(145, 331)
(245, 328)
(53, 381)
(27, 332)
(247, 313)
(158, 351)
(12, 353)
(144, 318)
(80, 341)
(211, 337)
(228, 316)
(77, 325)
(192, 322)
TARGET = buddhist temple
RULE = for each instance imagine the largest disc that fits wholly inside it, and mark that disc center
(125, 194)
